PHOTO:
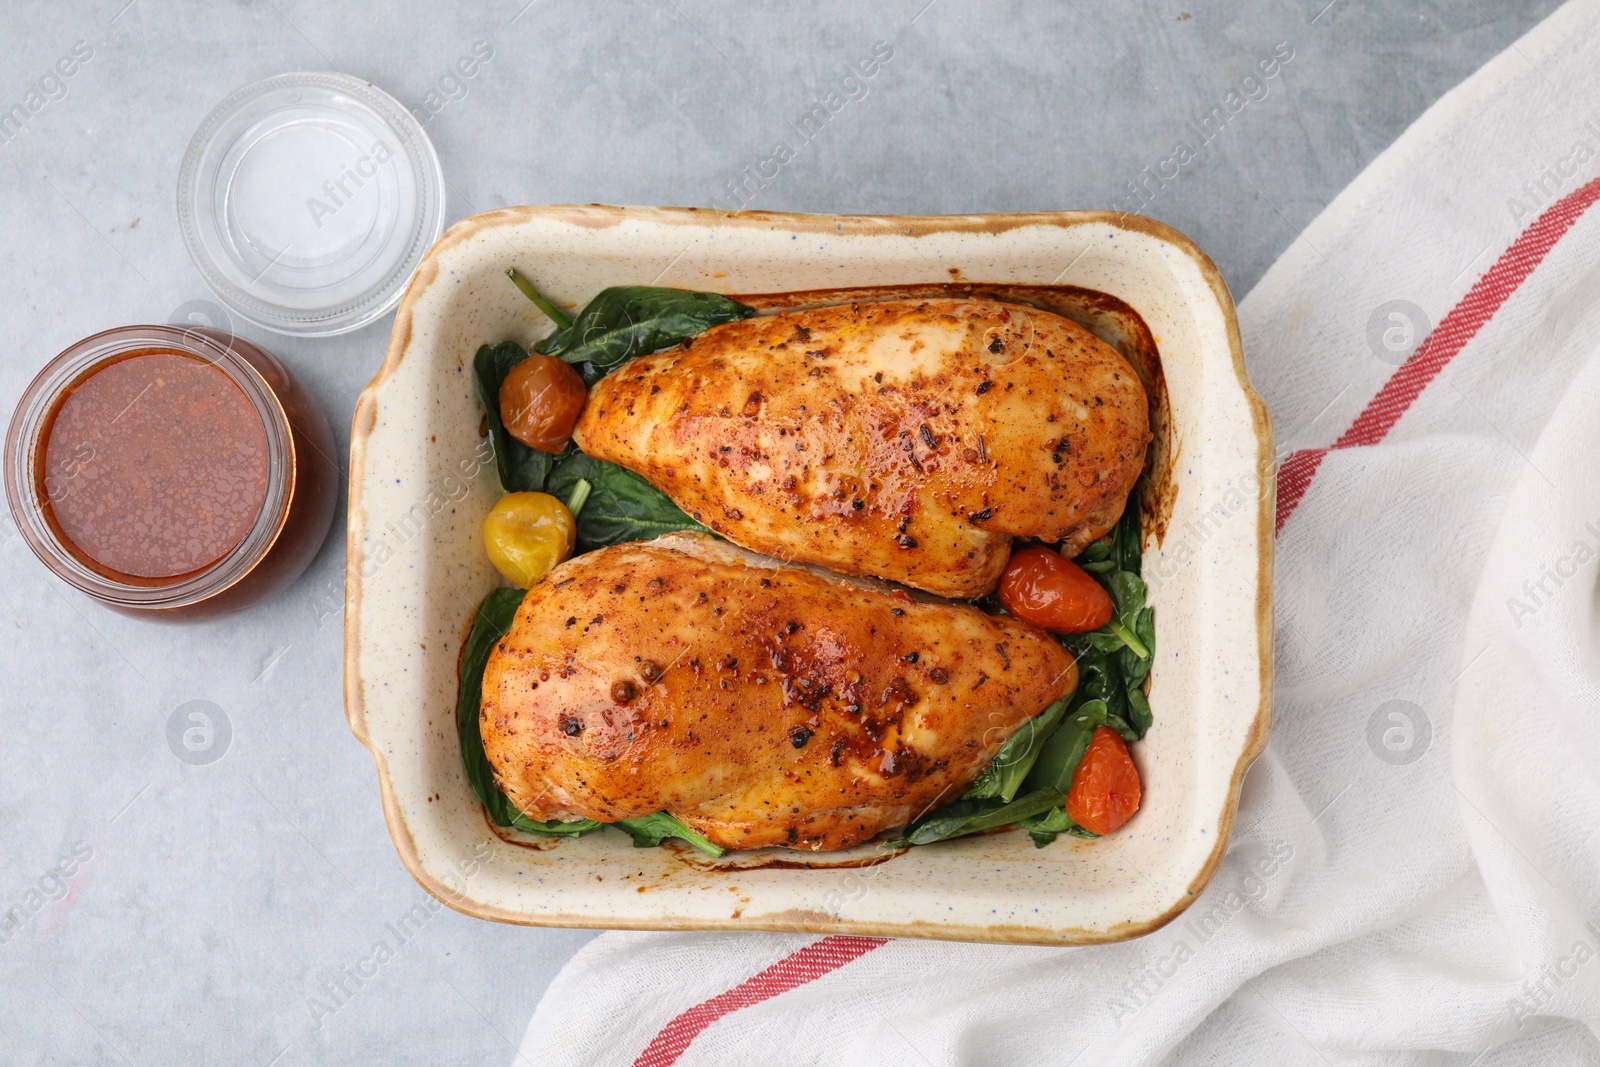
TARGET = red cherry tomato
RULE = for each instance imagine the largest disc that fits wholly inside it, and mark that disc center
(1053, 593)
(1105, 787)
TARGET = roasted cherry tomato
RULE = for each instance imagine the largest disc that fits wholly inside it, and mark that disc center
(528, 533)
(1105, 787)
(1043, 587)
(540, 401)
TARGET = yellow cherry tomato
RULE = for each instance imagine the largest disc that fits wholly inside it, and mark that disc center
(527, 534)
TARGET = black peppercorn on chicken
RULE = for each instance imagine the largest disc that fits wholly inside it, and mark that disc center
(760, 703)
(907, 440)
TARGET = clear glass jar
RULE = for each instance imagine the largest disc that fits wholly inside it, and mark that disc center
(301, 488)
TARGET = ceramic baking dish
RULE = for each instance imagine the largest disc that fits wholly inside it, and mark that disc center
(421, 481)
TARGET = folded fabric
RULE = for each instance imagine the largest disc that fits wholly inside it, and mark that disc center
(1415, 875)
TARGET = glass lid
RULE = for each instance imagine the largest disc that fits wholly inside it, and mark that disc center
(306, 201)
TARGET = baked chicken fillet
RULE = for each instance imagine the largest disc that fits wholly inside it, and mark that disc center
(761, 703)
(907, 440)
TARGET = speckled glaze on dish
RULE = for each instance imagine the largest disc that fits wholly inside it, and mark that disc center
(421, 481)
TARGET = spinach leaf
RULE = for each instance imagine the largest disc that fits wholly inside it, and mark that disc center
(1097, 558)
(521, 469)
(631, 320)
(1044, 828)
(1057, 763)
(1128, 592)
(1065, 748)
(1114, 661)
(1135, 668)
(1100, 678)
(489, 625)
(650, 830)
(1139, 715)
(1004, 774)
(621, 506)
(491, 622)
(552, 827)
(972, 816)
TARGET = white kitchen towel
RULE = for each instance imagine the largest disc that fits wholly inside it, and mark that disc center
(1415, 875)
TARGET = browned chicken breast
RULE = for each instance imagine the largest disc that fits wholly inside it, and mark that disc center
(906, 440)
(761, 703)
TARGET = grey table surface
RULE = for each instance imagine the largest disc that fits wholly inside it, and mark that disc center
(176, 913)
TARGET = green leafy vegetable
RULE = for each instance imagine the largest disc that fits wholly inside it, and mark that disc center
(650, 830)
(489, 625)
(1104, 677)
(1097, 558)
(1135, 661)
(1065, 747)
(621, 506)
(1056, 765)
(1123, 632)
(1004, 774)
(492, 620)
(973, 816)
(1128, 591)
(631, 320)
(1139, 715)
(521, 469)
(1100, 678)
(553, 827)
(1044, 828)
(1113, 662)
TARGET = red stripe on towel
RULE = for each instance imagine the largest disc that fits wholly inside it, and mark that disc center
(1441, 346)
(807, 965)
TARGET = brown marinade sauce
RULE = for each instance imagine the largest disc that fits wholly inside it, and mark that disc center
(153, 467)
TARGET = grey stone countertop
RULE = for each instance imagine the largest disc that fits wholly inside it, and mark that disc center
(172, 912)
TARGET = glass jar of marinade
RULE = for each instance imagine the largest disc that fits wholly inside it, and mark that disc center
(170, 472)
